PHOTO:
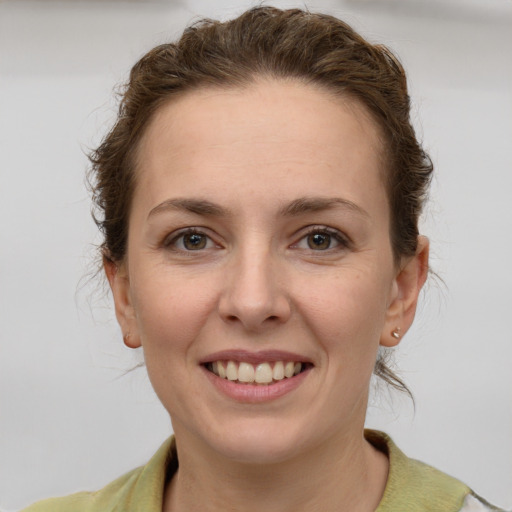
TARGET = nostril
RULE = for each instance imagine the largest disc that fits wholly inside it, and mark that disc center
(235, 318)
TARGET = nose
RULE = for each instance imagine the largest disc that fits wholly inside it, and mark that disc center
(254, 295)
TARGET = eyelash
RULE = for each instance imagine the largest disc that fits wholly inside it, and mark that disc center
(171, 242)
(334, 234)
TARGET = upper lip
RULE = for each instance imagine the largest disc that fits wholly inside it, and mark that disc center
(261, 356)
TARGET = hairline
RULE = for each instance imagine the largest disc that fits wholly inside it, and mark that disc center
(252, 79)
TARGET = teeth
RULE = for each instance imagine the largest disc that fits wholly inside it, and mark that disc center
(262, 373)
(278, 371)
(231, 371)
(246, 372)
(289, 369)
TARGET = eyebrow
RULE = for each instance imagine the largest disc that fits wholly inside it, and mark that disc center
(315, 204)
(297, 207)
(197, 206)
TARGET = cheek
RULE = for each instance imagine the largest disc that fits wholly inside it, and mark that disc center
(171, 310)
(347, 313)
(171, 315)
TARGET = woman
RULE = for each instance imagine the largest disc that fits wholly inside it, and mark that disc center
(259, 196)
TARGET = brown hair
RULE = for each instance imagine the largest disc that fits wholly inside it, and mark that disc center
(314, 48)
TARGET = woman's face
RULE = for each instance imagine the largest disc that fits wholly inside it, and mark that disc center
(259, 244)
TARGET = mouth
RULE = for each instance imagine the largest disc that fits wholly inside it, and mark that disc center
(265, 373)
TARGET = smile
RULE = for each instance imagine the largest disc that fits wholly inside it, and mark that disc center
(264, 373)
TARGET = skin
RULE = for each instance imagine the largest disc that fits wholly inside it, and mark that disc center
(257, 284)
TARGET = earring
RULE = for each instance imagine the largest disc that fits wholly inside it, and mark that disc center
(396, 333)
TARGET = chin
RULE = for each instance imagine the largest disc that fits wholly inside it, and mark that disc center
(261, 442)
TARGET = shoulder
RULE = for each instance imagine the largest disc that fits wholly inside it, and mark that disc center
(474, 503)
(140, 489)
(105, 499)
(417, 487)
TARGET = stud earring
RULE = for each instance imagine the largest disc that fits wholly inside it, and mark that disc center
(396, 333)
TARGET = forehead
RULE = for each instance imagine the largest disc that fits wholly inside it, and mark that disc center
(252, 104)
(291, 133)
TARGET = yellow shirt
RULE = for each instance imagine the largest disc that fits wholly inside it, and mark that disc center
(412, 486)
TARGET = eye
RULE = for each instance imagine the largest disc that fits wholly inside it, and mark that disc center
(190, 240)
(319, 241)
(322, 239)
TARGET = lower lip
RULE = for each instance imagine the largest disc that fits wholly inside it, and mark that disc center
(256, 393)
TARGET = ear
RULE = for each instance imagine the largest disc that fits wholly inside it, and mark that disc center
(406, 288)
(120, 285)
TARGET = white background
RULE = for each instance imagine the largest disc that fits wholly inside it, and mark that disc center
(69, 419)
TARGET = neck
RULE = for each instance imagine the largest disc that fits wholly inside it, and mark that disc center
(342, 474)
